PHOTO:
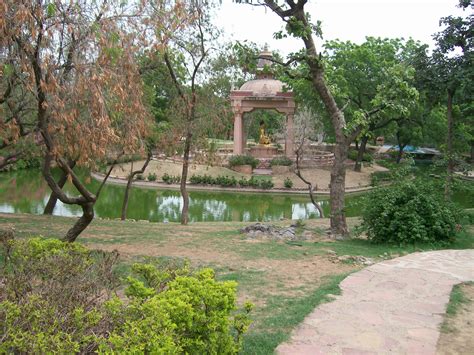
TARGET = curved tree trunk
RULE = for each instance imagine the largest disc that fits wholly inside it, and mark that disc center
(129, 185)
(82, 222)
(360, 153)
(307, 182)
(184, 178)
(53, 198)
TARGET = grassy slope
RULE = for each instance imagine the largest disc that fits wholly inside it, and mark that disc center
(285, 280)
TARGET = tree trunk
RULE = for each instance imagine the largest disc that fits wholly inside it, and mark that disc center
(184, 178)
(449, 147)
(299, 153)
(360, 153)
(82, 222)
(399, 154)
(401, 147)
(472, 152)
(316, 68)
(53, 198)
(337, 191)
(126, 197)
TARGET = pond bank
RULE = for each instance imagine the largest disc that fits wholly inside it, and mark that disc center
(161, 185)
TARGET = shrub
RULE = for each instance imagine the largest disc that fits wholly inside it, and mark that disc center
(281, 161)
(152, 177)
(243, 160)
(367, 157)
(55, 298)
(265, 184)
(288, 183)
(175, 312)
(409, 212)
(380, 176)
(171, 179)
(139, 177)
(231, 181)
(51, 294)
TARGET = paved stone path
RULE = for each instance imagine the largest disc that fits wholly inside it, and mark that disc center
(393, 307)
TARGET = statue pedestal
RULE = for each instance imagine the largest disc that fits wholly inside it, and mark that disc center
(263, 151)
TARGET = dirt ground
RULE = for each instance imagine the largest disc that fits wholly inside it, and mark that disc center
(319, 177)
(457, 336)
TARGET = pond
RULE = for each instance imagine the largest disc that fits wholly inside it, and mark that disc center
(26, 192)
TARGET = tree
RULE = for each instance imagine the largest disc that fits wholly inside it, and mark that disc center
(454, 74)
(304, 128)
(373, 81)
(298, 25)
(185, 51)
(76, 62)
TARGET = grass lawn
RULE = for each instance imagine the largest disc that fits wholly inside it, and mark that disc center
(285, 281)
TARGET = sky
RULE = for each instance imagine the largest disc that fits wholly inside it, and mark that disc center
(341, 19)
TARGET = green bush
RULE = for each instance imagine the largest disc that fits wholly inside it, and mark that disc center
(409, 212)
(175, 312)
(231, 181)
(265, 184)
(236, 160)
(56, 297)
(288, 183)
(171, 179)
(367, 157)
(281, 161)
(380, 176)
(152, 177)
(139, 177)
(51, 296)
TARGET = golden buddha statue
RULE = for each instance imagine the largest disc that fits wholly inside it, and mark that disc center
(264, 139)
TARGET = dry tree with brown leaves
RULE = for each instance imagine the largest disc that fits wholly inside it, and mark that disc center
(74, 64)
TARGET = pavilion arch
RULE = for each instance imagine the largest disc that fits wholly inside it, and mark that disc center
(264, 92)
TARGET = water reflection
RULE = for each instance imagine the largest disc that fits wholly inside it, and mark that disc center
(27, 192)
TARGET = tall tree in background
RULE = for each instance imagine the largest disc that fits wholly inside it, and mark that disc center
(372, 81)
(75, 60)
(306, 127)
(186, 51)
(453, 65)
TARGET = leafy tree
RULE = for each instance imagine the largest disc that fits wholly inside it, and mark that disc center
(453, 73)
(186, 49)
(76, 63)
(299, 25)
(373, 82)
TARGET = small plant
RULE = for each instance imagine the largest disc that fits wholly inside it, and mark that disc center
(236, 160)
(281, 161)
(288, 183)
(152, 177)
(171, 179)
(266, 184)
(139, 177)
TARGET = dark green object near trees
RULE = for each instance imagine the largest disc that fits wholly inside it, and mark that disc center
(409, 212)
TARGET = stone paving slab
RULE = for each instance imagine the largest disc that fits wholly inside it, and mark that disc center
(393, 307)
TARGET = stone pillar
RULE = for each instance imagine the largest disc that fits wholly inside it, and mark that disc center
(238, 134)
(290, 137)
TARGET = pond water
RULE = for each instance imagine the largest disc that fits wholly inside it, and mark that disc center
(26, 192)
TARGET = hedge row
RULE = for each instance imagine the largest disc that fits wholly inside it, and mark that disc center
(231, 181)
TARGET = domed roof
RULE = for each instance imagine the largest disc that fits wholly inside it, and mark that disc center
(263, 87)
